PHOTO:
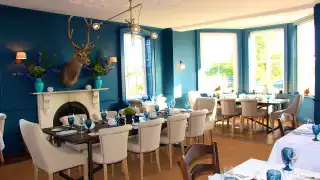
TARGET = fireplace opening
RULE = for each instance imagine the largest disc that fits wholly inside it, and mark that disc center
(69, 108)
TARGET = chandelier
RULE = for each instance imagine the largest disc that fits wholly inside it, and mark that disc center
(133, 26)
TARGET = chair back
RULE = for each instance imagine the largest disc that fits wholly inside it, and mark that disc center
(294, 107)
(193, 95)
(177, 127)
(228, 107)
(39, 147)
(149, 134)
(161, 102)
(249, 107)
(194, 152)
(137, 104)
(64, 119)
(2, 122)
(118, 137)
(196, 123)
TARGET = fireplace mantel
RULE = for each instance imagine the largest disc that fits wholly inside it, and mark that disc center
(49, 102)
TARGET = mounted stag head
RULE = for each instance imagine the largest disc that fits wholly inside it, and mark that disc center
(71, 70)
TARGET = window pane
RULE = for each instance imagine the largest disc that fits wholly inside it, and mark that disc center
(134, 58)
(306, 57)
(266, 60)
(218, 62)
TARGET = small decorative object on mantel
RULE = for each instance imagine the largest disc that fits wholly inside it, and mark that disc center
(217, 88)
(306, 92)
(37, 70)
(101, 67)
(50, 89)
(88, 87)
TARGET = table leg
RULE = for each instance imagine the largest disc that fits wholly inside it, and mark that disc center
(90, 163)
(267, 129)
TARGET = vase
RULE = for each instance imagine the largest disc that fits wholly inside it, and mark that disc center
(129, 119)
(98, 82)
(38, 85)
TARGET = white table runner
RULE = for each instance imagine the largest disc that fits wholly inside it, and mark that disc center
(307, 150)
(254, 167)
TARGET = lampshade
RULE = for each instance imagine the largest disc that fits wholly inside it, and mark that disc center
(181, 66)
(20, 56)
(112, 59)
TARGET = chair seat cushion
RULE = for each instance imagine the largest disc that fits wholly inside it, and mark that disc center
(77, 147)
(261, 112)
(133, 144)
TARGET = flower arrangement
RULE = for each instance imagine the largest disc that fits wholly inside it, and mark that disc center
(100, 67)
(39, 68)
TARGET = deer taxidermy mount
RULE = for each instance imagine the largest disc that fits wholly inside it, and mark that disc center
(71, 70)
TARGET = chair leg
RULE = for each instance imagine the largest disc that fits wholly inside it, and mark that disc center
(255, 125)
(50, 176)
(105, 171)
(112, 170)
(151, 159)
(222, 122)
(36, 173)
(241, 123)
(182, 147)
(211, 138)
(1, 157)
(69, 172)
(125, 168)
(141, 165)
(132, 156)
(85, 172)
(233, 124)
(158, 160)
(80, 169)
(170, 155)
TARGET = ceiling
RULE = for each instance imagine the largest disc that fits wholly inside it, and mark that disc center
(182, 15)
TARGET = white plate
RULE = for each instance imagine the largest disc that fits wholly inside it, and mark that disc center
(56, 129)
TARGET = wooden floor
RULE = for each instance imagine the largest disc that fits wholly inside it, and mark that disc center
(233, 150)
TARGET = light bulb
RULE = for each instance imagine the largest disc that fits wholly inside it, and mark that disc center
(96, 26)
(154, 35)
(135, 28)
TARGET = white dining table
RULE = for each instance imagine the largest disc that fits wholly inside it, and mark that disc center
(307, 150)
(257, 168)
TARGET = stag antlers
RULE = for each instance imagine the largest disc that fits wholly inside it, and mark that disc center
(89, 46)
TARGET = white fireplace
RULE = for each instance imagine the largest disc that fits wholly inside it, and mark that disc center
(49, 102)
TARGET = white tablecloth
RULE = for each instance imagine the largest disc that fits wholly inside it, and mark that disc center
(308, 151)
(254, 167)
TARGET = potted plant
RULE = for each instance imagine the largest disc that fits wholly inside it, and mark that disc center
(100, 67)
(38, 69)
(129, 113)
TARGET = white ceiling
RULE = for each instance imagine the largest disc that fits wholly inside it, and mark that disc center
(182, 15)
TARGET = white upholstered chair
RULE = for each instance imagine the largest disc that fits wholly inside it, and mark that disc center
(196, 125)
(175, 132)
(2, 121)
(106, 154)
(47, 157)
(250, 111)
(229, 110)
(148, 140)
(161, 102)
(292, 111)
(193, 95)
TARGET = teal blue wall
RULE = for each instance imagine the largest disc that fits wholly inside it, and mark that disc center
(34, 31)
(317, 64)
(167, 64)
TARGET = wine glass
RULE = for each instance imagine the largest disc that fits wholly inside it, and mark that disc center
(273, 174)
(315, 130)
(81, 122)
(70, 121)
(103, 116)
(187, 106)
(268, 97)
(227, 173)
(289, 157)
(173, 103)
(156, 107)
(146, 114)
(310, 121)
(88, 124)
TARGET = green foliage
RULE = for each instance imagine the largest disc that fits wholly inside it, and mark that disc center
(260, 48)
(225, 69)
(129, 111)
(36, 71)
(100, 67)
(276, 71)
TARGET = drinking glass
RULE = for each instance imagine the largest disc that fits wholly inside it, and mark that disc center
(227, 173)
(316, 130)
(103, 116)
(187, 106)
(289, 157)
(70, 121)
(88, 124)
(273, 174)
(166, 114)
(310, 121)
(146, 114)
(81, 122)
(268, 97)
(156, 107)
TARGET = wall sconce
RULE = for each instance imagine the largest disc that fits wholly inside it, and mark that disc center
(181, 66)
(20, 56)
(112, 59)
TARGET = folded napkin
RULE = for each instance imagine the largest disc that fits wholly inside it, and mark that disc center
(66, 133)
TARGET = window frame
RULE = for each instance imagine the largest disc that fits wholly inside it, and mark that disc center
(149, 62)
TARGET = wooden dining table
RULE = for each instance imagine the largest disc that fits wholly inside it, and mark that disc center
(277, 103)
(85, 138)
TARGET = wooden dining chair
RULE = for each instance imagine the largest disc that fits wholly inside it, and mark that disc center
(2, 121)
(195, 152)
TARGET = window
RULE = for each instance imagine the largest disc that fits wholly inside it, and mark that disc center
(135, 66)
(306, 57)
(266, 53)
(219, 59)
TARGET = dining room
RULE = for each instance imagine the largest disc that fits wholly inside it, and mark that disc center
(171, 89)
